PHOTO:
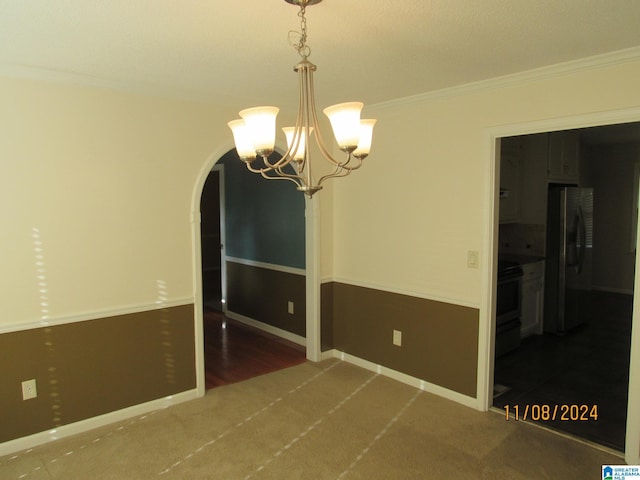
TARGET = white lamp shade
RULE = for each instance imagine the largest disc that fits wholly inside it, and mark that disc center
(244, 147)
(261, 125)
(345, 122)
(366, 135)
(300, 147)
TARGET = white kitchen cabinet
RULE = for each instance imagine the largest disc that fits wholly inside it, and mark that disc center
(533, 180)
(563, 157)
(510, 157)
(532, 298)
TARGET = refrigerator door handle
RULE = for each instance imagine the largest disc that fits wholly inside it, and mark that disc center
(581, 240)
(571, 243)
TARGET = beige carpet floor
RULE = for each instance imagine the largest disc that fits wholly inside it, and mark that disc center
(327, 420)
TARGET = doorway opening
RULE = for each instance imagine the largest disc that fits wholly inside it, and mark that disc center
(212, 240)
(567, 230)
(246, 332)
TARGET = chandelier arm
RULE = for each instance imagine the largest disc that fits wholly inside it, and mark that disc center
(314, 117)
(342, 170)
(338, 172)
(280, 163)
(278, 170)
(319, 139)
(300, 182)
(262, 171)
(322, 146)
(295, 143)
(256, 170)
(327, 177)
(283, 176)
(280, 177)
(351, 158)
(269, 177)
(300, 124)
(288, 156)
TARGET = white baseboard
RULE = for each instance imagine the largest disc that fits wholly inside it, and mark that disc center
(404, 378)
(265, 327)
(31, 441)
(330, 354)
(40, 438)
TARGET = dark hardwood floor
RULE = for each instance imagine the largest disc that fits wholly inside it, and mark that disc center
(234, 351)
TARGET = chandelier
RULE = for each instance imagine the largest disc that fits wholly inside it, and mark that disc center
(254, 134)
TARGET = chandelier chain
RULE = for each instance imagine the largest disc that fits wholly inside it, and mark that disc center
(301, 45)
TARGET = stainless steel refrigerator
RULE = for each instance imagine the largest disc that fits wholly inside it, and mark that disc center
(569, 256)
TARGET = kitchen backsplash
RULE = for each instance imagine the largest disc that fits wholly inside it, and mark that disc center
(522, 239)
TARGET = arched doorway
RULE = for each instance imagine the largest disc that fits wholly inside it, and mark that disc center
(265, 256)
(212, 228)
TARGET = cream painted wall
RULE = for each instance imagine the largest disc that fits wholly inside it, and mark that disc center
(406, 221)
(107, 180)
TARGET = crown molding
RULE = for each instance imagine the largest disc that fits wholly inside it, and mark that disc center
(588, 63)
(566, 68)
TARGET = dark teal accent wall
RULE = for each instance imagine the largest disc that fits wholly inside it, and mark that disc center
(264, 218)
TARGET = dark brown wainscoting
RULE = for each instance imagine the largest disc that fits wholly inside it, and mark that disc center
(251, 293)
(440, 340)
(94, 367)
(234, 351)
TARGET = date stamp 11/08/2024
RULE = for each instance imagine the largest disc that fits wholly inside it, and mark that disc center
(545, 412)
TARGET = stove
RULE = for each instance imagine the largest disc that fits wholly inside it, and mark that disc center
(508, 306)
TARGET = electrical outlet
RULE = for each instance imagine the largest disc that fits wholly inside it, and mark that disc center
(29, 389)
(290, 307)
(397, 338)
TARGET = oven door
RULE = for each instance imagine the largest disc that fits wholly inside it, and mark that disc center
(508, 306)
(509, 299)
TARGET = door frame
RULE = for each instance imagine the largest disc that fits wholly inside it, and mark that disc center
(223, 237)
(312, 270)
(487, 323)
(221, 206)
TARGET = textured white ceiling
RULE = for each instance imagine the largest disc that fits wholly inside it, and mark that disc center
(370, 50)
